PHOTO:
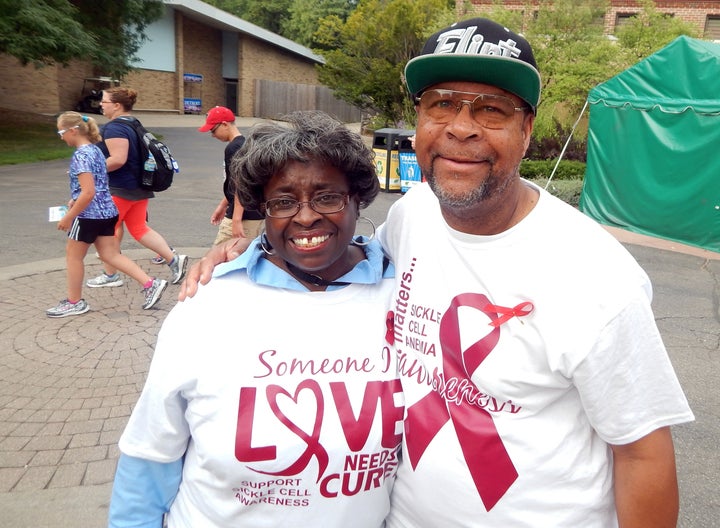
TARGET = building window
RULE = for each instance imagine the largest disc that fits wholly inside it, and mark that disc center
(712, 27)
(621, 19)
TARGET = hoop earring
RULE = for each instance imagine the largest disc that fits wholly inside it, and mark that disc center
(265, 245)
(361, 240)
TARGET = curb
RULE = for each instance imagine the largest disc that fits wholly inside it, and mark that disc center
(57, 264)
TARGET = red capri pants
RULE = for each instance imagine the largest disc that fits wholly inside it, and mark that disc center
(134, 214)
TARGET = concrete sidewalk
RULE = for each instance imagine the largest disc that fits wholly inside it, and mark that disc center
(68, 386)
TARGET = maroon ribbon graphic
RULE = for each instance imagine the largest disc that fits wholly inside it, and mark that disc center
(491, 468)
(314, 449)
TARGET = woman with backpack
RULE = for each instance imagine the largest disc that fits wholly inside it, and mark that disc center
(124, 163)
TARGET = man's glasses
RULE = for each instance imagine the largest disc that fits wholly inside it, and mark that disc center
(213, 129)
(61, 132)
(490, 111)
(323, 203)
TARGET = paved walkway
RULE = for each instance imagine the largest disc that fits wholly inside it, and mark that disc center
(67, 386)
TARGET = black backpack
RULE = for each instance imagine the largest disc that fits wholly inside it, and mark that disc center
(159, 166)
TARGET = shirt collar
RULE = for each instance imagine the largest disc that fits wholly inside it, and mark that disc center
(262, 271)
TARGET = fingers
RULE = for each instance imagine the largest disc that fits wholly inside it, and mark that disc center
(201, 271)
(193, 278)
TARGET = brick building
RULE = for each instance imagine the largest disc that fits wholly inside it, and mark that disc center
(705, 16)
(196, 57)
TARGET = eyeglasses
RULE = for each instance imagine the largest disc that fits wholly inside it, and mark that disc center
(327, 203)
(490, 111)
(61, 132)
(214, 129)
(108, 102)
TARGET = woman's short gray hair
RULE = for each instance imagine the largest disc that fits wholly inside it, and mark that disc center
(307, 136)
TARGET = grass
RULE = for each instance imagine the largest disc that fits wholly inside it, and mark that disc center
(26, 137)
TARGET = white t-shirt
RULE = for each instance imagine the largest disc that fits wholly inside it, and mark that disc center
(522, 356)
(285, 404)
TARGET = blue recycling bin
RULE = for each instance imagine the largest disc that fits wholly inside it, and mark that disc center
(410, 174)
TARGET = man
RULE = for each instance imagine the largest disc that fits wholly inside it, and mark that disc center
(231, 217)
(538, 391)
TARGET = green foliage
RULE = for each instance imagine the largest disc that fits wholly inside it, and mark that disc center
(366, 55)
(119, 26)
(107, 33)
(574, 55)
(43, 32)
(651, 30)
(305, 17)
(269, 14)
(551, 147)
(297, 20)
(568, 191)
(566, 170)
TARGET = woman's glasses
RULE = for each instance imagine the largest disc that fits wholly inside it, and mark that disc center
(61, 132)
(490, 111)
(323, 203)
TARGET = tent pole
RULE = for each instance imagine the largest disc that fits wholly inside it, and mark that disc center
(562, 153)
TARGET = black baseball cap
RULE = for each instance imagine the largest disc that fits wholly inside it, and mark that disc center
(477, 50)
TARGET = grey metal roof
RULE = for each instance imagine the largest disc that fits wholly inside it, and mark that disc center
(214, 17)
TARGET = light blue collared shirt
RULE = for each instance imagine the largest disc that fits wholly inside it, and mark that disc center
(261, 271)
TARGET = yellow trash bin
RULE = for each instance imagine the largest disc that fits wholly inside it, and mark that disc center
(387, 159)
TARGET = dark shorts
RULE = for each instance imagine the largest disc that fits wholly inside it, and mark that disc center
(88, 229)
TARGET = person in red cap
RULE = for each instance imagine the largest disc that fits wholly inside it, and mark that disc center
(231, 217)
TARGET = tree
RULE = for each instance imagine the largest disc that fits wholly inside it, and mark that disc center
(366, 54)
(269, 14)
(297, 20)
(651, 30)
(119, 27)
(43, 32)
(574, 55)
(107, 33)
(305, 16)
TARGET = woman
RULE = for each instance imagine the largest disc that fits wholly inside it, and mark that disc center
(272, 399)
(124, 163)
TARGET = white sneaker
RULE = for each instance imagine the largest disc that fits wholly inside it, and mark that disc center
(105, 281)
(153, 293)
(66, 308)
(178, 267)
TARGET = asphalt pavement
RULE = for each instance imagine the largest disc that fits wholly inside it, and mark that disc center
(67, 386)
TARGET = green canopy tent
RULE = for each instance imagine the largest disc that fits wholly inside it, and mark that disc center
(653, 158)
